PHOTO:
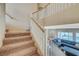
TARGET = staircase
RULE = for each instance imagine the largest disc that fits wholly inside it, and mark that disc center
(18, 44)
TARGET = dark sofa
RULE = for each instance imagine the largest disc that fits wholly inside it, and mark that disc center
(71, 49)
(62, 43)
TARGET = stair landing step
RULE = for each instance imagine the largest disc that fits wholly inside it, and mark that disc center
(15, 45)
(24, 52)
(6, 52)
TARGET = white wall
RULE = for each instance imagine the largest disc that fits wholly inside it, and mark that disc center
(2, 23)
(20, 11)
(38, 36)
(16, 25)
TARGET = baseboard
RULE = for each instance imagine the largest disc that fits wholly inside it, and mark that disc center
(37, 46)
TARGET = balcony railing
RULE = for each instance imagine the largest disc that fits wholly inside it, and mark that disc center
(50, 9)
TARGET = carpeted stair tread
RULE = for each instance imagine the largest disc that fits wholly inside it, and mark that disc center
(24, 52)
(17, 39)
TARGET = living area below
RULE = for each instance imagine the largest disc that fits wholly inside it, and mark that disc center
(63, 41)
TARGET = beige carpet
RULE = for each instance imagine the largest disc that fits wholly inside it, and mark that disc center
(18, 44)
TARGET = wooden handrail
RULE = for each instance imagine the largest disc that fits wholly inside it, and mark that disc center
(38, 25)
(10, 16)
(41, 9)
(35, 21)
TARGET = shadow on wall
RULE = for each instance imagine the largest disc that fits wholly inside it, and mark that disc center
(16, 25)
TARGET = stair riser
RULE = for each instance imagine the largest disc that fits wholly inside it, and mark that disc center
(11, 50)
(25, 53)
(16, 35)
(17, 40)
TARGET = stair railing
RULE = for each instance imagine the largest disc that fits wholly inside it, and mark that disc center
(37, 28)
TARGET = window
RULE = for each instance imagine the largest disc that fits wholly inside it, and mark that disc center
(70, 37)
(65, 35)
(77, 37)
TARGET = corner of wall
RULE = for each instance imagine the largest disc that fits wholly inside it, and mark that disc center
(37, 46)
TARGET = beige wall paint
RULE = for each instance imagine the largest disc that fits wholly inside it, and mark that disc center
(2, 23)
